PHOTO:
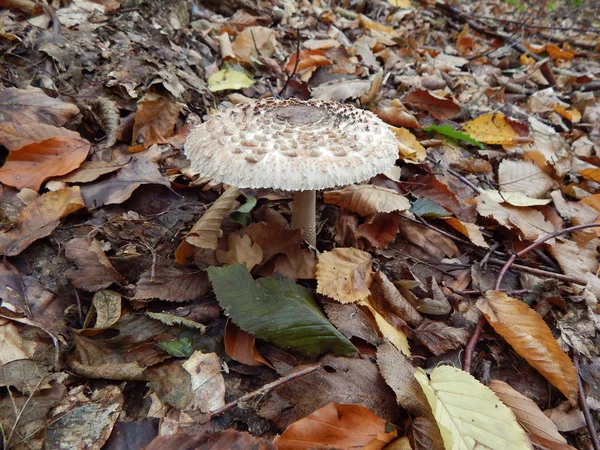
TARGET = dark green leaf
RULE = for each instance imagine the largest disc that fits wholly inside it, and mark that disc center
(277, 310)
(242, 214)
(447, 130)
(181, 348)
(428, 208)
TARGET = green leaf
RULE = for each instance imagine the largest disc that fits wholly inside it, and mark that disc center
(277, 310)
(242, 214)
(447, 130)
(428, 208)
(181, 348)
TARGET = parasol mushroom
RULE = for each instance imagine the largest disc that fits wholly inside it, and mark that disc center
(293, 145)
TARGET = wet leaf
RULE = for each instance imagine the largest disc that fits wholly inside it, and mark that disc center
(33, 164)
(338, 426)
(344, 274)
(277, 310)
(530, 337)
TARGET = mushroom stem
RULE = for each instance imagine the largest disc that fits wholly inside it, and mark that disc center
(303, 215)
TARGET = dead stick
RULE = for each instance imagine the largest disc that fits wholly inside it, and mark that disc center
(475, 337)
(263, 390)
(584, 407)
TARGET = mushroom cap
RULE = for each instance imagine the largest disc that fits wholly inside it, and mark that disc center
(291, 144)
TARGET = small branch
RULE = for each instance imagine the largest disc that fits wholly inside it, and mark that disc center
(541, 272)
(586, 410)
(506, 291)
(295, 65)
(263, 390)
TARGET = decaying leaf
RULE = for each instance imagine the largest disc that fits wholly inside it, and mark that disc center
(94, 271)
(439, 107)
(470, 230)
(392, 333)
(530, 337)
(172, 284)
(33, 164)
(241, 250)
(366, 199)
(154, 120)
(439, 337)
(108, 308)
(338, 426)
(409, 147)
(344, 274)
(14, 136)
(39, 219)
(22, 106)
(468, 413)
(379, 230)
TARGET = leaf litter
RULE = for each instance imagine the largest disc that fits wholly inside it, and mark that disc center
(136, 297)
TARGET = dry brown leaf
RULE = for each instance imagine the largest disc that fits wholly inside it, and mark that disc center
(30, 166)
(379, 230)
(273, 239)
(39, 219)
(441, 108)
(384, 291)
(439, 337)
(14, 136)
(301, 263)
(389, 326)
(351, 321)
(94, 271)
(530, 337)
(396, 115)
(366, 199)
(241, 346)
(90, 171)
(307, 59)
(22, 106)
(491, 129)
(426, 186)
(523, 177)
(241, 250)
(207, 231)
(470, 230)
(430, 240)
(108, 308)
(578, 261)
(154, 121)
(529, 415)
(227, 439)
(253, 40)
(172, 284)
(338, 426)
(344, 274)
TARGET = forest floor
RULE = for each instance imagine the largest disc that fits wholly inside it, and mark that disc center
(445, 299)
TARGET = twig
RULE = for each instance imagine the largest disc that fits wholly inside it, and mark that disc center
(263, 390)
(295, 65)
(457, 175)
(20, 413)
(584, 407)
(541, 272)
(506, 291)
(475, 337)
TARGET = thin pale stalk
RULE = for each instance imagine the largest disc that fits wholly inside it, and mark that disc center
(303, 215)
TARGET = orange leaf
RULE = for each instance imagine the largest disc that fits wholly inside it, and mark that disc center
(39, 219)
(367, 199)
(154, 120)
(336, 426)
(344, 274)
(530, 337)
(440, 107)
(306, 60)
(14, 136)
(30, 166)
(379, 230)
(240, 346)
(397, 115)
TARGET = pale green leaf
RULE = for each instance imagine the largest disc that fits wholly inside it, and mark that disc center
(229, 79)
(469, 414)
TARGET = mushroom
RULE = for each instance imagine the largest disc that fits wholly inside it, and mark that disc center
(293, 145)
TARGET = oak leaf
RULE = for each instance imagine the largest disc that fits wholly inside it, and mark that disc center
(338, 426)
(39, 219)
(344, 274)
(33, 164)
(530, 337)
(366, 199)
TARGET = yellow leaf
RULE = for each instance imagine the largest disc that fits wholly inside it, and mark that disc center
(491, 129)
(228, 78)
(391, 333)
(207, 230)
(400, 3)
(530, 337)
(366, 199)
(529, 415)
(409, 147)
(373, 25)
(344, 274)
(468, 413)
(591, 174)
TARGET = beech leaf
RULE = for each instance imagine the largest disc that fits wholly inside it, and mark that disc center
(366, 199)
(344, 274)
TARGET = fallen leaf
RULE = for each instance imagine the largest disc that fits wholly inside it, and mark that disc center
(529, 415)
(468, 413)
(441, 108)
(447, 130)
(94, 271)
(384, 292)
(530, 337)
(516, 198)
(397, 115)
(307, 59)
(338, 426)
(367, 199)
(39, 219)
(426, 186)
(491, 129)
(373, 25)
(255, 42)
(227, 439)
(172, 284)
(379, 230)
(241, 346)
(523, 177)
(229, 79)
(14, 136)
(439, 337)
(430, 240)
(107, 305)
(277, 310)
(409, 147)
(90, 171)
(23, 106)
(154, 121)
(33, 164)
(344, 274)
(392, 333)
(273, 239)
(301, 263)
(352, 321)
(241, 250)
(470, 230)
